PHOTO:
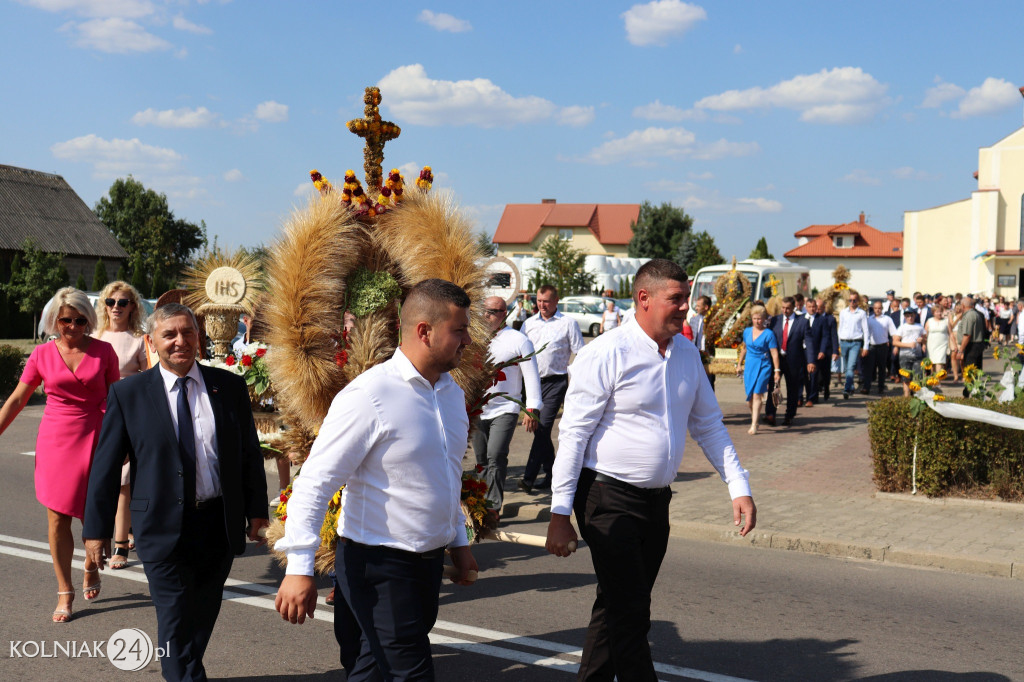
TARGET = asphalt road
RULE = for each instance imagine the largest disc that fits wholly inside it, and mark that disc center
(720, 613)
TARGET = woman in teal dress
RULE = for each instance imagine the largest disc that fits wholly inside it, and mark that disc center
(760, 349)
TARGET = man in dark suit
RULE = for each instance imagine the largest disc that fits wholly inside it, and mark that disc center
(895, 313)
(791, 331)
(197, 480)
(820, 339)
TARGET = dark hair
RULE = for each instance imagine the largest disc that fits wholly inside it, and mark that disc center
(547, 289)
(430, 301)
(169, 310)
(706, 300)
(798, 297)
(788, 299)
(658, 270)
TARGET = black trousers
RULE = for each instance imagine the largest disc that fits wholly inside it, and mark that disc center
(186, 588)
(973, 355)
(875, 366)
(794, 380)
(542, 452)
(388, 607)
(626, 529)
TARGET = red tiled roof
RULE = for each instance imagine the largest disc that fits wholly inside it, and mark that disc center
(868, 242)
(610, 223)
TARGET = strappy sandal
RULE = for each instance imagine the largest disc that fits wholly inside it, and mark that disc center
(90, 592)
(131, 542)
(63, 615)
(120, 558)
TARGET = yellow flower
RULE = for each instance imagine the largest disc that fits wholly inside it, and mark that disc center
(914, 386)
(939, 398)
(970, 368)
(934, 381)
(995, 353)
(904, 373)
(1020, 347)
(926, 364)
(942, 374)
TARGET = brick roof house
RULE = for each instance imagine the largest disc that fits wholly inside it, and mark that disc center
(595, 229)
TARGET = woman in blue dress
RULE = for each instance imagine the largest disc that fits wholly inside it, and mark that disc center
(760, 349)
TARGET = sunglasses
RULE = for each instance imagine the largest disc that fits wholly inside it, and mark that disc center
(121, 302)
(78, 321)
(492, 311)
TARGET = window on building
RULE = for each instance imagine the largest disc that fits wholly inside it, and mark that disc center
(843, 241)
(565, 234)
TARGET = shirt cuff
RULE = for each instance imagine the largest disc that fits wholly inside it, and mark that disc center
(738, 488)
(461, 539)
(561, 504)
(300, 563)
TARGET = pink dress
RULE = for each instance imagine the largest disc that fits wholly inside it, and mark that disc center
(75, 403)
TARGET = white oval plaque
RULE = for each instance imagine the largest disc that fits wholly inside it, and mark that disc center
(225, 286)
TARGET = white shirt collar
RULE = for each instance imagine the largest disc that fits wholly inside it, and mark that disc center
(170, 377)
(409, 373)
(646, 340)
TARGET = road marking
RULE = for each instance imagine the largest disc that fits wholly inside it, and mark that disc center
(30, 454)
(134, 573)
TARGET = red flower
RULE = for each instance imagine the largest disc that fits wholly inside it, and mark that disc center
(246, 361)
(479, 468)
(341, 358)
(284, 498)
(229, 360)
(261, 352)
(501, 375)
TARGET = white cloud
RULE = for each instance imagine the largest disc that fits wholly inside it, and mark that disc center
(908, 173)
(841, 95)
(860, 176)
(413, 97)
(656, 22)
(271, 112)
(128, 9)
(444, 22)
(757, 205)
(178, 118)
(116, 157)
(990, 97)
(182, 24)
(640, 146)
(304, 189)
(117, 35)
(576, 116)
(941, 93)
(737, 49)
(706, 175)
(410, 171)
(656, 111)
(234, 175)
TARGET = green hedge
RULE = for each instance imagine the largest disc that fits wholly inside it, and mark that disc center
(953, 455)
(12, 362)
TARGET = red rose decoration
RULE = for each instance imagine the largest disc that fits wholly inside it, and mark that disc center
(341, 358)
(479, 468)
(261, 352)
(501, 375)
(246, 361)
(229, 360)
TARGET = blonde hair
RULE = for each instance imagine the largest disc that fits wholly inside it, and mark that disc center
(758, 310)
(136, 322)
(68, 297)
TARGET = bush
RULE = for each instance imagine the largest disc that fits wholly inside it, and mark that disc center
(953, 455)
(12, 362)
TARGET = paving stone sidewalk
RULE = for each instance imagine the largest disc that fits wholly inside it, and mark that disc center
(814, 493)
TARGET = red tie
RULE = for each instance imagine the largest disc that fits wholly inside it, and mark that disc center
(785, 334)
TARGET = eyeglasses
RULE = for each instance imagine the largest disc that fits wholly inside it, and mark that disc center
(78, 321)
(121, 302)
(493, 311)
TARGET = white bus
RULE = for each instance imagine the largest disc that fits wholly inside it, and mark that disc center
(791, 279)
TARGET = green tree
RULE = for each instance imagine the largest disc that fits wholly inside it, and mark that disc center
(563, 266)
(143, 223)
(36, 280)
(658, 231)
(80, 282)
(99, 276)
(138, 279)
(705, 253)
(159, 284)
(761, 250)
(487, 247)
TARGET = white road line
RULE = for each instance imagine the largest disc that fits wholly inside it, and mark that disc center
(30, 454)
(135, 573)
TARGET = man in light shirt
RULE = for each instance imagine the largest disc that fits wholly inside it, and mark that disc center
(497, 423)
(881, 330)
(561, 336)
(633, 395)
(701, 306)
(854, 339)
(395, 438)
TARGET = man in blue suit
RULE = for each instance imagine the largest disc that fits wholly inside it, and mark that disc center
(796, 357)
(819, 336)
(197, 481)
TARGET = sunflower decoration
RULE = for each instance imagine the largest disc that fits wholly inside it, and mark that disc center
(726, 319)
(836, 297)
(337, 276)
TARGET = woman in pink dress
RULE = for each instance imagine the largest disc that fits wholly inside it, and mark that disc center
(76, 371)
(120, 323)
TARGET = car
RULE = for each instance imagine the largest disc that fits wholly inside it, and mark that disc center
(586, 313)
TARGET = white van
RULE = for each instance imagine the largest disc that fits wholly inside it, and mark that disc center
(791, 278)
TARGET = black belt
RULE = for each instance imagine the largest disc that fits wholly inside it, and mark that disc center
(859, 339)
(208, 504)
(876, 345)
(405, 554)
(553, 377)
(622, 485)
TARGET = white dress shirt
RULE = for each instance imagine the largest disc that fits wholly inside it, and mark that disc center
(881, 328)
(562, 336)
(853, 326)
(396, 443)
(627, 412)
(207, 464)
(508, 344)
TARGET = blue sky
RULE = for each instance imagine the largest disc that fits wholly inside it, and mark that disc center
(756, 118)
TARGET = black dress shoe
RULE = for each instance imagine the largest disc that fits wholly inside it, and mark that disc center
(788, 421)
(544, 485)
(770, 421)
(525, 487)
(846, 395)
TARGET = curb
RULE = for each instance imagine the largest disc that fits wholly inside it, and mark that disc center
(950, 501)
(527, 512)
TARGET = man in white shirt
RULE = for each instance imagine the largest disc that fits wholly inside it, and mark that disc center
(880, 330)
(634, 394)
(498, 420)
(854, 339)
(561, 336)
(395, 438)
(701, 305)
